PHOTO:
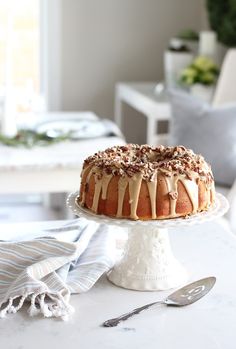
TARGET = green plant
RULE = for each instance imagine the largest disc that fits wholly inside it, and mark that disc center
(202, 70)
(188, 34)
(222, 18)
(30, 138)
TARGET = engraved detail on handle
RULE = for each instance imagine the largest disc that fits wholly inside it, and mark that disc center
(114, 322)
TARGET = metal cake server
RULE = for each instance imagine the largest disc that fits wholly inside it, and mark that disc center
(184, 296)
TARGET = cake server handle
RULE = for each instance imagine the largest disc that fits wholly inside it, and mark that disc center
(114, 322)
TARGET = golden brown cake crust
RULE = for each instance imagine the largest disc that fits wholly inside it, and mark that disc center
(143, 182)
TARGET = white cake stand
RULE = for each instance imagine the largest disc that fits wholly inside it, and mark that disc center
(148, 263)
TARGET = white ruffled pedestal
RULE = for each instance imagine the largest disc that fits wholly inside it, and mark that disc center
(148, 262)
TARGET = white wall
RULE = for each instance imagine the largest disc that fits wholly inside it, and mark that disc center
(105, 41)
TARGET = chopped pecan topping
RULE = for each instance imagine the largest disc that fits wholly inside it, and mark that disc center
(133, 158)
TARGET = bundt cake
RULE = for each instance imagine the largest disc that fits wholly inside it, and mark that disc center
(144, 182)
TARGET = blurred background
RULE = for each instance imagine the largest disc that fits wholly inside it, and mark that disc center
(68, 55)
(68, 68)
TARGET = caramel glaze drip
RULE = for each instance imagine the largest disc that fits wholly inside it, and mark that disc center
(134, 190)
(134, 181)
(97, 191)
(85, 175)
(134, 184)
(105, 182)
(191, 188)
(122, 185)
(101, 185)
(152, 189)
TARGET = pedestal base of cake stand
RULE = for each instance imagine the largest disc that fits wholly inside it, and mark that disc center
(148, 263)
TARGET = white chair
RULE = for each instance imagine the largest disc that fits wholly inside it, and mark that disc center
(225, 93)
(231, 214)
(226, 87)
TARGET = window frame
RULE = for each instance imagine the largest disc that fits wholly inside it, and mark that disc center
(50, 52)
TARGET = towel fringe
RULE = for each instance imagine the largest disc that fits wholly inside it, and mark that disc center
(14, 308)
(65, 302)
(61, 307)
(33, 310)
(44, 307)
(5, 310)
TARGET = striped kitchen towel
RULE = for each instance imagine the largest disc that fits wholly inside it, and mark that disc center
(45, 271)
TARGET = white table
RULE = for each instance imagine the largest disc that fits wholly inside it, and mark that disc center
(141, 96)
(50, 169)
(208, 249)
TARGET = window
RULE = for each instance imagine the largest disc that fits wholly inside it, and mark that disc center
(20, 56)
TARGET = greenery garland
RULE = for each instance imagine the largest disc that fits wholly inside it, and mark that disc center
(29, 138)
(222, 18)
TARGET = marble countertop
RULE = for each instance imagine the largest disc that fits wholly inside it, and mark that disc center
(207, 249)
